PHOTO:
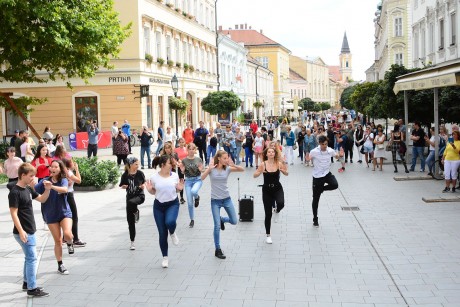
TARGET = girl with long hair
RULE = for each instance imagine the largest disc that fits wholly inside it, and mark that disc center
(73, 176)
(218, 172)
(379, 152)
(133, 181)
(60, 153)
(397, 138)
(164, 185)
(272, 190)
(192, 167)
(56, 211)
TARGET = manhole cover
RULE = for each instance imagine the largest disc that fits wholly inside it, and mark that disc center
(350, 208)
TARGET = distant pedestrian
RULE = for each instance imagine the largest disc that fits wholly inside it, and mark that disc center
(126, 128)
(359, 141)
(14, 137)
(47, 133)
(146, 141)
(368, 147)
(188, 132)
(248, 147)
(11, 165)
(120, 147)
(18, 142)
(272, 190)
(133, 181)
(200, 139)
(114, 129)
(379, 152)
(218, 172)
(211, 149)
(323, 180)
(258, 148)
(22, 214)
(451, 160)
(418, 146)
(290, 141)
(192, 167)
(181, 152)
(160, 140)
(93, 133)
(164, 185)
(56, 211)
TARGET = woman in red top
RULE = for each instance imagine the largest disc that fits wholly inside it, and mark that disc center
(181, 153)
(254, 128)
(188, 134)
(42, 162)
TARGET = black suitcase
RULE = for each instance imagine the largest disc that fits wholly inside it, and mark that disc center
(245, 206)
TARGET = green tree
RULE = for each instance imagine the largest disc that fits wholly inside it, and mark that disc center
(222, 102)
(449, 108)
(317, 107)
(345, 97)
(63, 38)
(325, 106)
(361, 97)
(307, 104)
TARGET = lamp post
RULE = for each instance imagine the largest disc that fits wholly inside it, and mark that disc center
(175, 87)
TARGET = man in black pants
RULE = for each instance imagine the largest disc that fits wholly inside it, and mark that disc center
(323, 180)
(200, 141)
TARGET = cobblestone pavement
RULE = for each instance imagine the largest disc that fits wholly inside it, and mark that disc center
(395, 251)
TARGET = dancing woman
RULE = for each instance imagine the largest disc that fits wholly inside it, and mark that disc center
(218, 172)
(272, 190)
(164, 185)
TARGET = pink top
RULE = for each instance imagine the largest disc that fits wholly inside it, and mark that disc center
(11, 167)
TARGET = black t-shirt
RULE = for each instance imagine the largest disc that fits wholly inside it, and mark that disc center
(213, 141)
(421, 140)
(133, 182)
(200, 136)
(21, 199)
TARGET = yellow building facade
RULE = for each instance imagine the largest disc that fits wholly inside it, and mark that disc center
(182, 37)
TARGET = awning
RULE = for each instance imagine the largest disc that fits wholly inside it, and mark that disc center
(446, 74)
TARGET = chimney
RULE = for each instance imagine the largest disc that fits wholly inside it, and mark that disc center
(236, 27)
(261, 31)
(220, 28)
(241, 26)
(245, 26)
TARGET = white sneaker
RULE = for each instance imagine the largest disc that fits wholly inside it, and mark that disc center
(45, 227)
(174, 238)
(164, 263)
(277, 216)
(132, 247)
(268, 240)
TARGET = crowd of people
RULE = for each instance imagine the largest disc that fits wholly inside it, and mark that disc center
(184, 162)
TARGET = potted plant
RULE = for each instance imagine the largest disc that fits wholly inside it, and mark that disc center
(184, 14)
(160, 61)
(170, 5)
(149, 58)
(257, 104)
(170, 63)
(191, 68)
(186, 67)
(178, 104)
(177, 10)
(190, 16)
(178, 65)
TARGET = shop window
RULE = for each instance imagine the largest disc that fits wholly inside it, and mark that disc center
(149, 112)
(85, 112)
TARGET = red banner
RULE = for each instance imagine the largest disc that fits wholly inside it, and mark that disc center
(104, 139)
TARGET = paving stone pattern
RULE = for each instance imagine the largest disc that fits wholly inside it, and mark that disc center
(395, 251)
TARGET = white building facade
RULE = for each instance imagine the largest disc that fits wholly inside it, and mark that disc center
(393, 37)
(259, 87)
(435, 31)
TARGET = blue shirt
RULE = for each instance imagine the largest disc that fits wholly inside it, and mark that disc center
(290, 139)
(92, 136)
(56, 207)
(126, 128)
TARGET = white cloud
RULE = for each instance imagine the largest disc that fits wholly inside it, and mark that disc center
(310, 27)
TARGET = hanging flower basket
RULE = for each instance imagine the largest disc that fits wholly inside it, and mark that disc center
(178, 104)
(258, 104)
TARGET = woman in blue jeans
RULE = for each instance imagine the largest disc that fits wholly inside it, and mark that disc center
(164, 185)
(191, 167)
(220, 197)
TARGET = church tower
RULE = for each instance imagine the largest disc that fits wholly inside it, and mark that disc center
(345, 57)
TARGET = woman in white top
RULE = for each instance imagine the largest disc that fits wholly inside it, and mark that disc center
(258, 147)
(164, 185)
(26, 153)
(218, 172)
(430, 159)
(368, 145)
(169, 136)
(379, 152)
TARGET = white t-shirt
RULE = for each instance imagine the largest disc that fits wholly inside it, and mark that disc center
(259, 142)
(165, 187)
(169, 137)
(321, 161)
(369, 140)
(70, 186)
(432, 139)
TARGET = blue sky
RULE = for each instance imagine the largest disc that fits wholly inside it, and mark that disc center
(310, 27)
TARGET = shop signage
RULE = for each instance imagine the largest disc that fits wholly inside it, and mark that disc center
(159, 81)
(119, 79)
(209, 86)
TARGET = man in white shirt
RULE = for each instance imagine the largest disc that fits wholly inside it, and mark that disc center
(323, 180)
(114, 130)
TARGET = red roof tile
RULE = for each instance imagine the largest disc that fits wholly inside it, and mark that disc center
(251, 38)
(334, 73)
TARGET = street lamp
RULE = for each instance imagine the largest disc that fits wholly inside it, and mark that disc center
(175, 88)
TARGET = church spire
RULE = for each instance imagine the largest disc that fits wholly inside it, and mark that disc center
(345, 47)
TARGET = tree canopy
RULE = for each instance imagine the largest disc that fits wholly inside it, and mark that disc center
(41, 40)
(307, 104)
(221, 102)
